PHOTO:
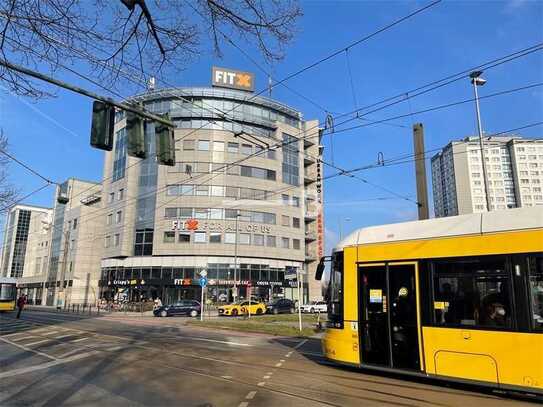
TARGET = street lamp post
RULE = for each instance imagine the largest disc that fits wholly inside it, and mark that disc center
(476, 80)
(234, 294)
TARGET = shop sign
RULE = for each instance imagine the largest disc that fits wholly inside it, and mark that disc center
(291, 274)
(125, 282)
(211, 226)
(182, 281)
(233, 79)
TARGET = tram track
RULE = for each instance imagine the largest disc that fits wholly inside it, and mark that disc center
(323, 378)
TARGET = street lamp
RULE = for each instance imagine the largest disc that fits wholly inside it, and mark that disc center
(235, 292)
(476, 81)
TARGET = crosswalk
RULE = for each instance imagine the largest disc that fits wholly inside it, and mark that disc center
(58, 343)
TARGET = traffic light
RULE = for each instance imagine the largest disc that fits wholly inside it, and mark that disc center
(165, 143)
(135, 137)
(103, 122)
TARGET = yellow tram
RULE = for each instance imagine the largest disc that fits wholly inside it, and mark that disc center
(458, 298)
(8, 293)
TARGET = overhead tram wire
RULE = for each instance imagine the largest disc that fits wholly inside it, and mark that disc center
(284, 143)
(18, 201)
(27, 167)
(410, 158)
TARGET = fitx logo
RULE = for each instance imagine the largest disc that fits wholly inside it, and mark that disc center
(229, 78)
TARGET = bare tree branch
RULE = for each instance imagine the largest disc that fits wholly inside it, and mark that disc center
(108, 43)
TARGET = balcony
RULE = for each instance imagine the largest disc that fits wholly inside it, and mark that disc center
(308, 160)
(309, 177)
(310, 236)
(90, 199)
(310, 257)
(310, 216)
(309, 141)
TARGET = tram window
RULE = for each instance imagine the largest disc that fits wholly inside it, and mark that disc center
(335, 294)
(536, 290)
(472, 293)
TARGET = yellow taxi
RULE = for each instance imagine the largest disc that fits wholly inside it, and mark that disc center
(241, 307)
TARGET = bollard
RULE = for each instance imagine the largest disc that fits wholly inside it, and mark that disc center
(73, 307)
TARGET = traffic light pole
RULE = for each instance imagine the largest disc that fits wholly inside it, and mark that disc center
(84, 92)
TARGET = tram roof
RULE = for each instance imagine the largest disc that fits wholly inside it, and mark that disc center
(471, 224)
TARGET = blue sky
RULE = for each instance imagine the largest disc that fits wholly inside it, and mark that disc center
(52, 134)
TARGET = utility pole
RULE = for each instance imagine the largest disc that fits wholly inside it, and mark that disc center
(235, 292)
(420, 171)
(64, 263)
(298, 276)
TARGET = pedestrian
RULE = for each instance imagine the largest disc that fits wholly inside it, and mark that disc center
(20, 305)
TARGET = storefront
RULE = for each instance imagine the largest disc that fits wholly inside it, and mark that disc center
(119, 284)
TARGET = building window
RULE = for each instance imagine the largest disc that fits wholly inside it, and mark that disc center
(111, 197)
(285, 220)
(200, 237)
(143, 245)
(271, 241)
(119, 160)
(118, 217)
(201, 213)
(233, 148)
(244, 238)
(218, 146)
(258, 240)
(215, 213)
(120, 194)
(75, 224)
(285, 199)
(110, 219)
(188, 145)
(285, 242)
(184, 237)
(170, 213)
(169, 237)
(296, 201)
(215, 237)
(107, 241)
(217, 190)
(172, 190)
(230, 238)
(296, 223)
(291, 169)
(203, 145)
(116, 240)
(296, 244)
(246, 149)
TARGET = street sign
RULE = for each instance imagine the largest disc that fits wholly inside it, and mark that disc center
(290, 274)
(203, 273)
(203, 281)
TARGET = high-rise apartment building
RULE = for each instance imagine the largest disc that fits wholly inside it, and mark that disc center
(514, 167)
(26, 241)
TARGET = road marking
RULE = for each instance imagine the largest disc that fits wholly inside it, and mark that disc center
(79, 340)
(278, 365)
(250, 395)
(282, 361)
(69, 353)
(261, 384)
(26, 337)
(15, 333)
(115, 348)
(27, 349)
(226, 377)
(243, 404)
(14, 372)
(51, 333)
(37, 342)
(300, 344)
(266, 377)
(63, 336)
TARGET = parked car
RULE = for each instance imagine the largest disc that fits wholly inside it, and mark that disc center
(185, 307)
(240, 308)
(280, 305)
(315, 306)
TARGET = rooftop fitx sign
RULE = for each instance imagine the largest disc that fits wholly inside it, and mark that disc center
(229, 78)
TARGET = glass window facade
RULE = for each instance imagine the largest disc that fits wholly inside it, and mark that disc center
(119, 162)
(291, 166)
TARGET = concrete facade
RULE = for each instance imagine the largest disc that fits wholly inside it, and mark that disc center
(514, 168)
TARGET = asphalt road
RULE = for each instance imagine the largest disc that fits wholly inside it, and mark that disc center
(53, 359)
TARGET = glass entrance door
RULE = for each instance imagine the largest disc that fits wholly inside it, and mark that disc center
(389, 316)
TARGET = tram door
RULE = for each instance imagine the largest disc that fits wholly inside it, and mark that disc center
(388, 316)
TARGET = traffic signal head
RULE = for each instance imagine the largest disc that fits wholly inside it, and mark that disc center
(165, 143)
(103, 122)
(135, 136)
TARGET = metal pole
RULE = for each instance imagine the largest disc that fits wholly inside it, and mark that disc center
(481, 144)
(340, 231)
(299, 300)
(234, 294)
(249, 296)
(202, 304)
(85, 92)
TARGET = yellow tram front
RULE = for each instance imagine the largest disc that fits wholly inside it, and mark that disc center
(8, 293)
(458, 298)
